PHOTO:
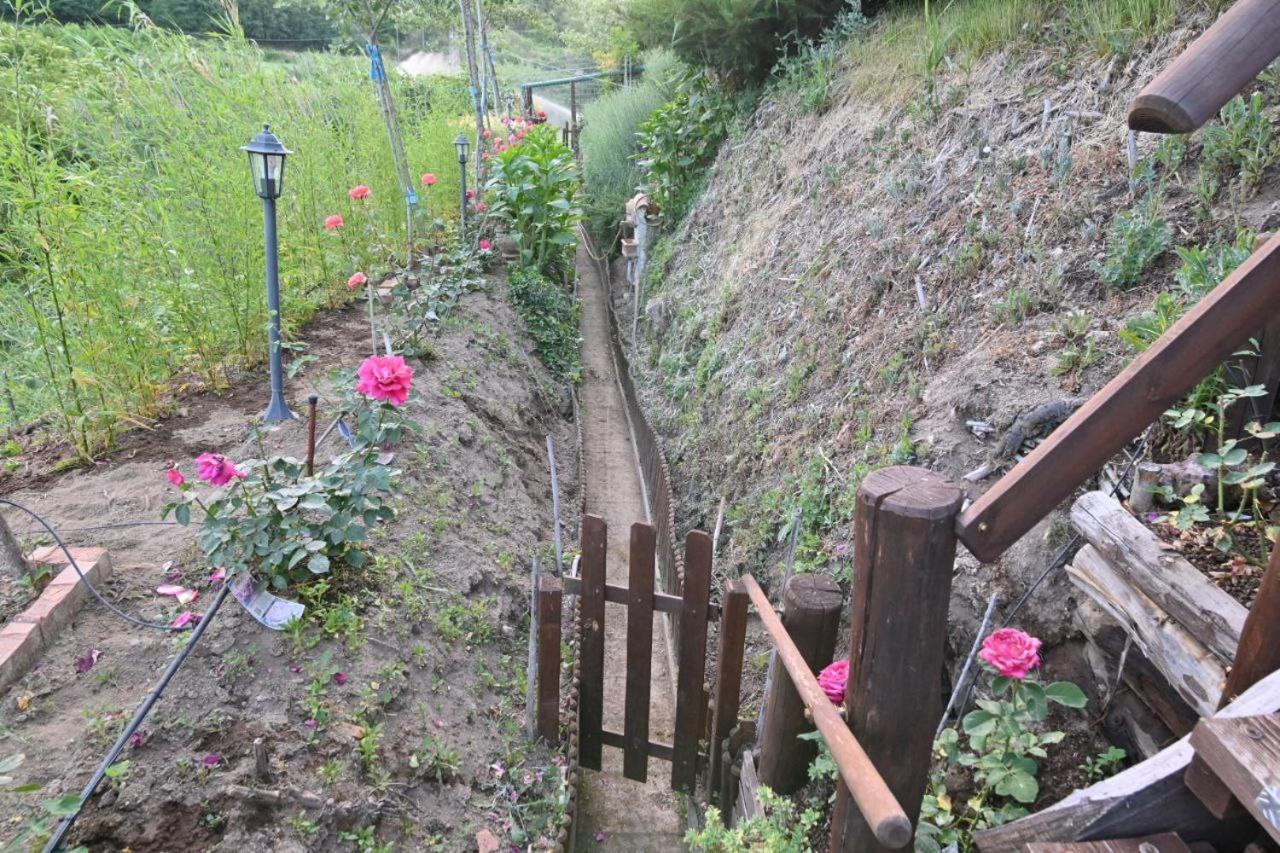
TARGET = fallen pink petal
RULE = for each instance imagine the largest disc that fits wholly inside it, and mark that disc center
(170, 589)
(184, 619)
(188, 595)
(213, 759)
(85, 662)
(137, 739)
(339, 678)
(218, 576)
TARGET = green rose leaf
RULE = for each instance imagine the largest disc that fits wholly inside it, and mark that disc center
(1066, 693)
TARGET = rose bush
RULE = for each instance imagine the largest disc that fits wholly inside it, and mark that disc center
(274, 519)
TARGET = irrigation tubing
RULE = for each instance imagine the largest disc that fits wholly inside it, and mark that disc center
(84, 580)
(64, 826)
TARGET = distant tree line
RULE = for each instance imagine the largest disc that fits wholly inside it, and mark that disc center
(305, 24)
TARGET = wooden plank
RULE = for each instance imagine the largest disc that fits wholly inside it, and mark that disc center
(653, 748)
(549, 613)
(1191, 670)
(749, 788)
(1213, 70)
(904, 552)
(595, 544)
(1165, 842)
(1148, 797)
(1258, 654)
(693, 660)
(861, 777)
(1211, 616)
(1245, 754)
(1204, 337)
(733, 643)
(662, 602)
(635, 760)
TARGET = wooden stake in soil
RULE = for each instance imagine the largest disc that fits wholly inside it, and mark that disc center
(905, 545)
(811, 614)
(550, 597)
(12, 561)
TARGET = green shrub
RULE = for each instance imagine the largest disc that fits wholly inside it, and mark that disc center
(777, 830)
(1244, 141)
(681, 138)
(740, 39)
(610, 174)
(1136, 239)
(551, 316)
(810, 65)
(533, 187)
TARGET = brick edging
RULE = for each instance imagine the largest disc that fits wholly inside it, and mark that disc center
(31, 631)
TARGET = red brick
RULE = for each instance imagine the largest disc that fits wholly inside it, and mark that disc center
(53, 609)
(20, 645)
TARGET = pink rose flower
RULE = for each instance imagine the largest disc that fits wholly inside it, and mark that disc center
(429, 179)
(333, 223)
(1011, 652)
(358, 192)
(471, 194)
(216, 469)
(487, 133)
(485, 245)
(356, 280)
(387, 378)
(833, 680)
(481, 207)
(175, 476)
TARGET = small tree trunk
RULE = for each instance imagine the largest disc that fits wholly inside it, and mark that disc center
(12, 561)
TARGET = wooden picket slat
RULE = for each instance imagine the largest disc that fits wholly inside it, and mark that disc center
(693, 660)
(662, 602)
(549, 611)
(595, 542)
(733, 638)
(635, 761)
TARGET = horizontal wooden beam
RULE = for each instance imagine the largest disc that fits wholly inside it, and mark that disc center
(1213, 70)
(615, 594)
(1244, 754)
(870, 794)
(1206, 336)
(655, 749)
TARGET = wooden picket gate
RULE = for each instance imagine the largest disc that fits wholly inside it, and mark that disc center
(692, 609)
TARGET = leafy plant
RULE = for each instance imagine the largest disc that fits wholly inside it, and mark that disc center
(533, 186)
(681, 137)
(777, 829)
(1244, 141)
(1135, 240)
(278, 521)
(551, 315)
(1232, 465)
(1103, 764)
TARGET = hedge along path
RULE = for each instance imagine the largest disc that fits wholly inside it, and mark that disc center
(616, 813)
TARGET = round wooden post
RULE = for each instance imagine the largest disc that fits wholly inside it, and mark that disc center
(904, 548)
(811, 615)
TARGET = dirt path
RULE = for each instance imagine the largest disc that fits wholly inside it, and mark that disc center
(617, 813)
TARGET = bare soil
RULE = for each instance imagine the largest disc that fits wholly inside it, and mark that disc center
(418, 661)
(616, 813)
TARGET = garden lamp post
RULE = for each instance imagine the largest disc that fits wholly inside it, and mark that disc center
(463, 144)
(266, 167)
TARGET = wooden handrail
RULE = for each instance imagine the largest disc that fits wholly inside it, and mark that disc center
(1205, 336)
(870, 793)
(1213, 70)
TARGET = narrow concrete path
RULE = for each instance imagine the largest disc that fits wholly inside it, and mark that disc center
(616, 813)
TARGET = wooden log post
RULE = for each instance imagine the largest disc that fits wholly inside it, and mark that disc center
(635, 760)
(811, 614)
(733, 639)
(693, 662)
(595, 548)
(904, 549)
(550, 597)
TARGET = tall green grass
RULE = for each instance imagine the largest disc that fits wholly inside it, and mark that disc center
(131, 247)
(608, 142)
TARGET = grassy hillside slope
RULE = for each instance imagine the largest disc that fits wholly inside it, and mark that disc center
(916, 229)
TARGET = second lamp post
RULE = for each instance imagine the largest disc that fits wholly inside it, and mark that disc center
(463, 144)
